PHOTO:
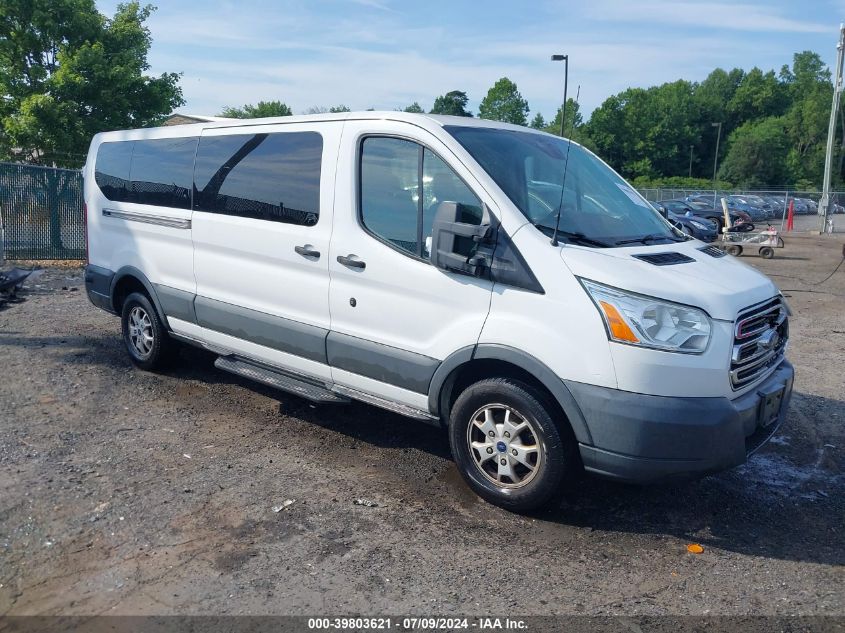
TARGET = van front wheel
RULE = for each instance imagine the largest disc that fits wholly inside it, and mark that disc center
(508, 447)
(146, 339)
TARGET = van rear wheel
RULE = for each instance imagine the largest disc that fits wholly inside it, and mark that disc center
(144, 334)
(508, 447)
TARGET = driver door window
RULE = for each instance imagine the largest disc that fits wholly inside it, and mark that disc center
(402, 184)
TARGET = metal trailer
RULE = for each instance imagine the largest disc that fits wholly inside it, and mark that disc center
(734, 243)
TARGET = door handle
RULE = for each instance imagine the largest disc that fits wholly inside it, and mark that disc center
(307, 251)
(352, 263)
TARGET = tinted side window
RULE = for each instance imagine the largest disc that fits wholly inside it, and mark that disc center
(161, 172)
(390, 201)
(111, 170)
(264, 176)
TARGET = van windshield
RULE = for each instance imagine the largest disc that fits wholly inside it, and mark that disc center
(598, 207)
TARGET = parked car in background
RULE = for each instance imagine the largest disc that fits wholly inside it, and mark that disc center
(759, 201)
(778, 204)
(800, 206)
(692, 225)
(741, 203)
(698, 227)
(706, 210)
(703, 198)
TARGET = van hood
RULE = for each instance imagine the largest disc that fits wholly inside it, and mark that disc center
(721, 286)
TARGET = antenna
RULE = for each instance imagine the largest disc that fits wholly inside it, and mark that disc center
(566, 160)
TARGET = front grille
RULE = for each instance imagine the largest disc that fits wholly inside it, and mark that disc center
(760, 337)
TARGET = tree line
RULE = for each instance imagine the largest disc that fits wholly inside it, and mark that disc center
(770, 128)
(67, 72)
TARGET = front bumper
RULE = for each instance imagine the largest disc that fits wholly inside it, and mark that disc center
(640, 438)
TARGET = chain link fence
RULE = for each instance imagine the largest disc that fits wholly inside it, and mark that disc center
(41, 213)
(775, 203)
(805, 202)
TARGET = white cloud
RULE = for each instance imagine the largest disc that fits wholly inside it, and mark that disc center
(306, 55)
(717, 15)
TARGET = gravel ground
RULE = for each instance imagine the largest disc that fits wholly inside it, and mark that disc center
(126, 492)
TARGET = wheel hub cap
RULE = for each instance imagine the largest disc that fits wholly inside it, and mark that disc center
(504, 446)
(140, 330)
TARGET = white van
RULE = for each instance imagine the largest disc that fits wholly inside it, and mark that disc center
(498, 281)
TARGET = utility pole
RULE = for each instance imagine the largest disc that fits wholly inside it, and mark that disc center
(690, 161)
(716, 157)
(824, 203)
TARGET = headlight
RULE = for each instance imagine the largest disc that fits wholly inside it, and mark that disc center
(649, 322)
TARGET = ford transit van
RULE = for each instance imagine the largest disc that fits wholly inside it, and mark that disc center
(497, 281)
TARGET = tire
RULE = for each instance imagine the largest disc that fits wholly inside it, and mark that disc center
(767, 252)
(497, 405)
(734, 249)
(144, 335)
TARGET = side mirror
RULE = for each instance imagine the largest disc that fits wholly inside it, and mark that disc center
(662, 210)
(455, 235)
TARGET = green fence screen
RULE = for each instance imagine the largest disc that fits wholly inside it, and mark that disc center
(41, 212)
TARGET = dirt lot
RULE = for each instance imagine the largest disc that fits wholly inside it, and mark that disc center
(126, 492)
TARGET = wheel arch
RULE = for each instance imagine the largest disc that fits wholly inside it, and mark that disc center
(473, 363)
(129, 279)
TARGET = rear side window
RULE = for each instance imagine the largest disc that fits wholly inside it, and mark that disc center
(111, 170)
(161, 172)
(273, 177)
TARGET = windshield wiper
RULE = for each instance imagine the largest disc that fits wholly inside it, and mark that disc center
(574, 237)
(645, 239)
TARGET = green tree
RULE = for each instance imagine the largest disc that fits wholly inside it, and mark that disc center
(574, 119)
(504, 103)
(260, 110)
(538, 122)
(339, 108)
(647, 132)
(454, 103)
(758, 95)
(414, 107)
(68, 72)
(757, 157)
(711, 98)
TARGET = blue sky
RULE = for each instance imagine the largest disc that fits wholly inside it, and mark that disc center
(386, 54)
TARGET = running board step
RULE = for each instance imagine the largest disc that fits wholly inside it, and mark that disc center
(296, 386)
(389, 405)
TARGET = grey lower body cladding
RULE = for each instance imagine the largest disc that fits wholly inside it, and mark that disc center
(380, 362)
(383, 363)
(285, 335)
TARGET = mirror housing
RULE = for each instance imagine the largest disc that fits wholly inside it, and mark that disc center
(454, 241)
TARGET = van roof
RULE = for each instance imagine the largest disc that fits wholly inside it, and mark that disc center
(392, 115)
(420, 119)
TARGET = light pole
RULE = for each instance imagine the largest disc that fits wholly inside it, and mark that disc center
(824, 203)
(716, 157)
(565, 60)
(690, 161)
